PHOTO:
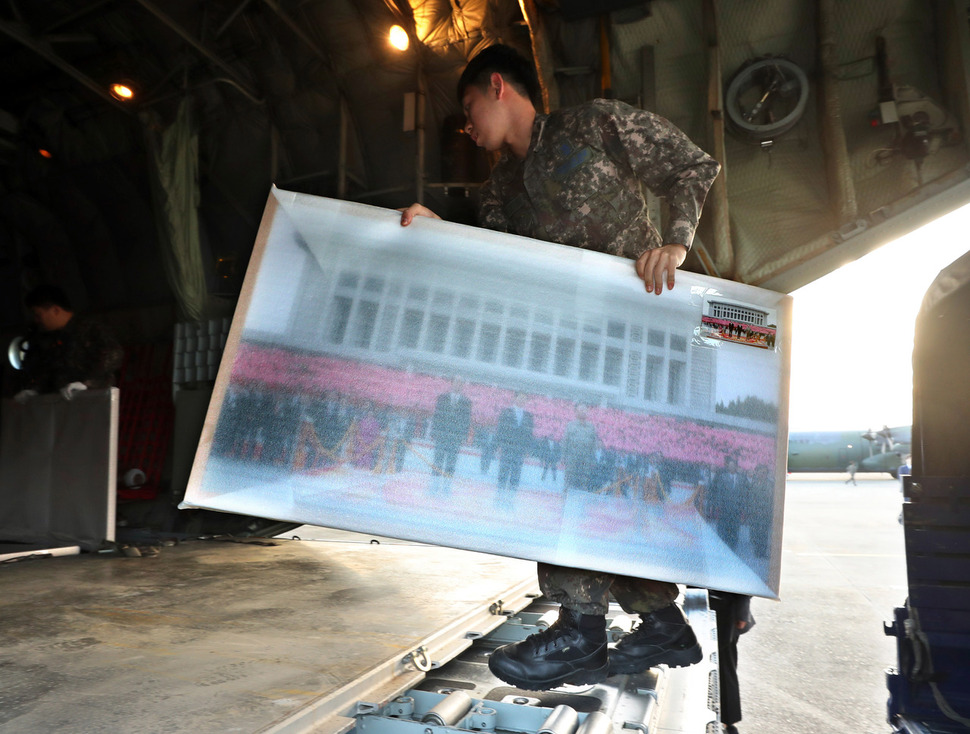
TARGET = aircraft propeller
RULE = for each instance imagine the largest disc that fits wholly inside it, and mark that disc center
(884, 437)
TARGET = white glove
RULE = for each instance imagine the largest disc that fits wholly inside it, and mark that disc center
(71, 389)
(24, 395)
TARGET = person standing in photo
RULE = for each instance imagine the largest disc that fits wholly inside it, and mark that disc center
(549, 452)
(726, 495)
(450, 423)
(579, 451)
(513, 440)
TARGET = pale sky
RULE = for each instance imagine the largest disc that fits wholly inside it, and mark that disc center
(853, 331)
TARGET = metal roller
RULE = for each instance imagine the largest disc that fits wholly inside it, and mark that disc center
(562, 720)
(596, 723)
(450, 710)
(548, 619)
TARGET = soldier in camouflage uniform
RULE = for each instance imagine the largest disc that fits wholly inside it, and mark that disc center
(576, 177)
(580, 183)
(68, 353)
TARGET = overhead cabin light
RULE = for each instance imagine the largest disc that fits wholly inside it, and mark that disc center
(398, 38)
(124, 91)
(44, 153)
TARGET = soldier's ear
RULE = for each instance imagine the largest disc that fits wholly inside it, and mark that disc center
(496, 84)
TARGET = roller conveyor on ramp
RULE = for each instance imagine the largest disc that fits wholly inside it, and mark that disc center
(289, 636)
(462, 697)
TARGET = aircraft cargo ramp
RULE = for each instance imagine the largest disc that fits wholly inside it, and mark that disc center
(282, 635)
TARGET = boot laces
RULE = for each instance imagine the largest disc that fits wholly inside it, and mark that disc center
(644, 632)
(542, 639)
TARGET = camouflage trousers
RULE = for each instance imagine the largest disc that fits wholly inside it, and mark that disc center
(588, 592)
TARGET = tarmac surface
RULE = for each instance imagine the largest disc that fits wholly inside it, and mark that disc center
(816, 661)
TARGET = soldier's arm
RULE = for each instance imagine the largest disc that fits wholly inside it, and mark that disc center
(670, 166)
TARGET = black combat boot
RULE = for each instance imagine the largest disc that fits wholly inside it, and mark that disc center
(662, 637)
(573, 650)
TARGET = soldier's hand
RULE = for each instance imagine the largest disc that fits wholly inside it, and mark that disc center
(24, 395)
(658, 265)
(71, 389)
(415, 210)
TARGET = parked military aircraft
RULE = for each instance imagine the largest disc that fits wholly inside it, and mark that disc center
(831, 451)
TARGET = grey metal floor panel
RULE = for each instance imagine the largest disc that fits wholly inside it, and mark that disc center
(226, 636)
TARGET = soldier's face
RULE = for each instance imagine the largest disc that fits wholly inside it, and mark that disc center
(49, 318)
(483, 118)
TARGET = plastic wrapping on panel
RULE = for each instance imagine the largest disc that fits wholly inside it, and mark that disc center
(467, 388)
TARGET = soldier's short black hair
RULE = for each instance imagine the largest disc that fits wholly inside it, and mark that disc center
(45, 296)
(513, 66)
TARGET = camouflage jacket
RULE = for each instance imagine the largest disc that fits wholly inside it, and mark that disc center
(581, 182)
(83, 351)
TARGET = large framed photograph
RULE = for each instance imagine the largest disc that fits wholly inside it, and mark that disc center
(467, 388)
